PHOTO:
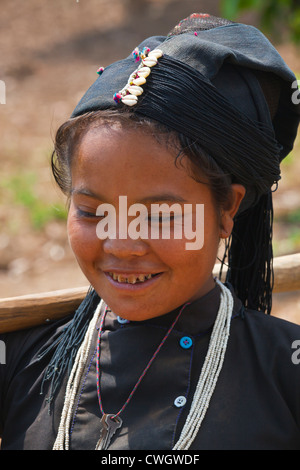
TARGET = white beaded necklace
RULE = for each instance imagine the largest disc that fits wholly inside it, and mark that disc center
(210, 371)
(204, 390)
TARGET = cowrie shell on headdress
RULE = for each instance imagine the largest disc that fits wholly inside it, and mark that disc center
(135, 90)
(157, 53)
(130, 100)
(129, 94)
(144, 72)
(139, 81)
(150, 62)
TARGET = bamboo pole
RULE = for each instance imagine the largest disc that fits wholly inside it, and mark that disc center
(25, 311)
(286, 273)
(31, 310)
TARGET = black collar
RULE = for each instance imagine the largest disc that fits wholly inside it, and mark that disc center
(197, 317)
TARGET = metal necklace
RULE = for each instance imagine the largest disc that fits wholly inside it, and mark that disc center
(111, 422)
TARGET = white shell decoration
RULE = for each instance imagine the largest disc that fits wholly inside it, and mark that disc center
(150, 62)
(129, 94)
(130, 100)
(156, 53)
(144, 72)
(139, 81)
(135, 90)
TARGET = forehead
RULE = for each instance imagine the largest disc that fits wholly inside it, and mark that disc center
(128, 161)
(117, 149)
(122, 142)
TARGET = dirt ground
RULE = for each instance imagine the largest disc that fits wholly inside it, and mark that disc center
(50, 52)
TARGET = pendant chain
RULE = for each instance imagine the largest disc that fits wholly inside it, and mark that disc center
(144, 371)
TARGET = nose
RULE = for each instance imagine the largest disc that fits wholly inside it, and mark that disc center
(125, 248)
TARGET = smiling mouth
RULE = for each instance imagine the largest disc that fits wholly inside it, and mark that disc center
(132, 278)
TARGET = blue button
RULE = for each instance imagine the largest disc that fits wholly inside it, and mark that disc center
(186, 342)
(122, 321)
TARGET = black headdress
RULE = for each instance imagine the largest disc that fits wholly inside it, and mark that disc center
(224, 85)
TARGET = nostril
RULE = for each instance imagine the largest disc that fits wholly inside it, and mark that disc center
(125, 247)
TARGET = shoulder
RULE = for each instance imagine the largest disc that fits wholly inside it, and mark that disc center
(274, 327)
(275, 342)
(22, 346)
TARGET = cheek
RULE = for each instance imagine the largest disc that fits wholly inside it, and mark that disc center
(83, 239)
(186, 263)
(198, 241)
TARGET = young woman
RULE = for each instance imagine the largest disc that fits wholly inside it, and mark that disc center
(186, 134)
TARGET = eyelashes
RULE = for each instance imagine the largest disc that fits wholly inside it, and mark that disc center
(156, 218)
(88, 215)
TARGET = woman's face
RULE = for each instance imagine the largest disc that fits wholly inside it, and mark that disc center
(112, 161)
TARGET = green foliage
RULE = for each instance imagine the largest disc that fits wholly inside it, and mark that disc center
(272, 13)
(22, 192)
(289, 225)
(231, 8)
(294, 217)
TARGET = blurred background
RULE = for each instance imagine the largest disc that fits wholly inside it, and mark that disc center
(49, 54)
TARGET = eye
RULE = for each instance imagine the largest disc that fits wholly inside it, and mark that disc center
(87, 214)
(160, 218)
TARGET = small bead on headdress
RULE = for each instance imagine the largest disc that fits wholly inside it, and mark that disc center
(129, 94)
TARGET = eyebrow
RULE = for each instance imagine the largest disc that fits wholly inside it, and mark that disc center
(87, 192)
(164, 197)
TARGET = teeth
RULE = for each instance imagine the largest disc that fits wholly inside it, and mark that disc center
(132, 279)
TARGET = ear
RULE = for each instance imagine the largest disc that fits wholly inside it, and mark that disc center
(237, 194)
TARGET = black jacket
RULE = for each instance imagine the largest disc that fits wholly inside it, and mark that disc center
(256, 403)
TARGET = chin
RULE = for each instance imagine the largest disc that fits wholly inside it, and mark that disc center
(134, 309)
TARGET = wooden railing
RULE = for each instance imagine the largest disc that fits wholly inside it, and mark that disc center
(30, 310)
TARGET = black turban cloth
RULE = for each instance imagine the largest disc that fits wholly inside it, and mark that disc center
(223, 85)
(231, 63)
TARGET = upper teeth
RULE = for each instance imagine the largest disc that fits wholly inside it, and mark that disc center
(132, 279)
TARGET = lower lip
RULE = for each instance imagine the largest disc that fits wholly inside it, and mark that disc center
(138, 286)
